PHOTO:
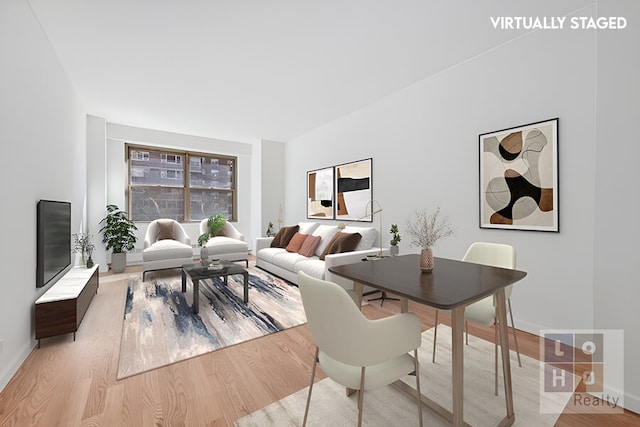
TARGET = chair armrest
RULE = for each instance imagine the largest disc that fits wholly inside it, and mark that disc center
(181, 235)
(375, 341)
(230, 231)
(263, 242)
(150, 235)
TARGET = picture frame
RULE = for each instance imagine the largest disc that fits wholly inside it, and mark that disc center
(320, 193)
(519, 177)
(354, 191)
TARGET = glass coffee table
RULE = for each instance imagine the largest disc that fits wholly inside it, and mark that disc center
(196, 272)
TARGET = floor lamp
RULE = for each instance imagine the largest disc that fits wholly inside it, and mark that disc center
(369, 208)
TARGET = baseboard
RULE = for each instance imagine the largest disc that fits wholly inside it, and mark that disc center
(632, 403)
(10, 370)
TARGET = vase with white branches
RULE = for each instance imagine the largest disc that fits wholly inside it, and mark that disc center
(425, 231)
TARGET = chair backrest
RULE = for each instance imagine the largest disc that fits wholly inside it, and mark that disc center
(228, 230)
(334, 320)
(493, 254)
(152, 232)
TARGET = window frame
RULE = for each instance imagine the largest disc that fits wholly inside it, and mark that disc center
(185, 161)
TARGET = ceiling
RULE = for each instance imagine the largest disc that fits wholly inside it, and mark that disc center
(262, 69)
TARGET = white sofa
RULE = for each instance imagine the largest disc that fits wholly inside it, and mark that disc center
(287, 264)
(228, 245)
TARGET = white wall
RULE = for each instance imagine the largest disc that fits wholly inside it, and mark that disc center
(424, 144)
(97, 185)
(616, 249)
(42, 132)
(272, 183)
(118, 135)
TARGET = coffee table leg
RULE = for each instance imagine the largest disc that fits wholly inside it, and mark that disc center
(196, 296)
(245, 277)
(184, 281)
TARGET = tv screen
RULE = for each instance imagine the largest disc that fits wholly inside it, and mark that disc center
(54, 240)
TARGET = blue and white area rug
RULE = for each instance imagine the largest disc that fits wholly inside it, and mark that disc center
(161, 328)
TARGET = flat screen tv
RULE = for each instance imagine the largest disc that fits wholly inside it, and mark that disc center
(54, 240)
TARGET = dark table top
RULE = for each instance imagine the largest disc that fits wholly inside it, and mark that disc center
(195, 271)
(451, 284)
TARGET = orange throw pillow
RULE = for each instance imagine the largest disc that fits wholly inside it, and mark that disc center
(296, 242)
(309, 246)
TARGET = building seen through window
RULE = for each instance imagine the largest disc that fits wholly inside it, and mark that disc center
(183, 186)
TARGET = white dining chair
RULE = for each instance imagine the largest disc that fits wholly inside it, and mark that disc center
(484, 312)
(356, 352)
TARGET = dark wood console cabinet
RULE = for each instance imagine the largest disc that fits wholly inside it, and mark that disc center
(61, 308)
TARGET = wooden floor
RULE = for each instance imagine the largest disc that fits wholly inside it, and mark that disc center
(67, 383)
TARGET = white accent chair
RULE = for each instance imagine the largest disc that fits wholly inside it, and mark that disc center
(356, 352)
(228, 245)
(166, 245)
(484, 312)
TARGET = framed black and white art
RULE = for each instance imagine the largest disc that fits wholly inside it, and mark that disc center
(519, 177)
(354, 191)
(320, 195)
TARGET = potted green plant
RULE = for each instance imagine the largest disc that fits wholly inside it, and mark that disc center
(270, 232)
(215, 223)
(395, 239)
(118, 235)
(84, 246)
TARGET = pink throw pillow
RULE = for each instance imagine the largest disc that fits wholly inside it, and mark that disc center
(309, 246)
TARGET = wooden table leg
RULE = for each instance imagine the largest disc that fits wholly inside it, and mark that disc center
(357, 288)
(501, 314)
(184, 281)
(457, 366)
(404, 305)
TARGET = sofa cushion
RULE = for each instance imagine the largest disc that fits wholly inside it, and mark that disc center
(342, 242)
(225, 245)
(167, 249)
(165, 229)
(313, 267)
(369, 235)
(309, 246)
(268, 254)
(287, 260)
(282, 237)
(296, 242)
(307, 227)
(326, 233)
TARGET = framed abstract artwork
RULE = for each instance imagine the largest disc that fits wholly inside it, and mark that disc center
(519, 177)
(353, 190)
(320, 194)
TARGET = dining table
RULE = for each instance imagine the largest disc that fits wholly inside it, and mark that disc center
(451, 285)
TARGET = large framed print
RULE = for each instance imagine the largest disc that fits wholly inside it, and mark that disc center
(353, 190)
(519, 177)
(320, 194)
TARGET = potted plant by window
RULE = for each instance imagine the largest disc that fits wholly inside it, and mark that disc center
(118, 235)
(395, 239)
(215, 224)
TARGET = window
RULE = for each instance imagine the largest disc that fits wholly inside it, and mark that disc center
(184, 186)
